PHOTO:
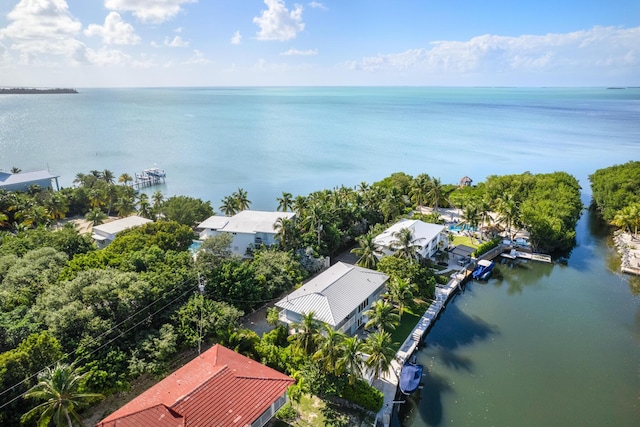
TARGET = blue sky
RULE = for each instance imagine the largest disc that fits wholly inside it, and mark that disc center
(124, 43)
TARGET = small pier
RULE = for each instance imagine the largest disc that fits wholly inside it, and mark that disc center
(149, 177)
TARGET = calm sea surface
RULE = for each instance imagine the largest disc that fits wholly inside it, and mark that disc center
(538, 345)
(268, 140)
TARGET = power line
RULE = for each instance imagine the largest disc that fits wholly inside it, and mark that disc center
(95, 340)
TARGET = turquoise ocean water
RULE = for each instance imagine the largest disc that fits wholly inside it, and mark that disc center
(268, 140)
(538, 345)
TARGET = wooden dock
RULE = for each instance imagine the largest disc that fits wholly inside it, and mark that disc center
(443, 295)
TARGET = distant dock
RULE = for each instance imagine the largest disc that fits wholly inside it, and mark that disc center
(149, 177)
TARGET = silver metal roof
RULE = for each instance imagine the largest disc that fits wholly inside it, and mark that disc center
(335, 293)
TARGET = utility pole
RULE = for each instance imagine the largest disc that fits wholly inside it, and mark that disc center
(201, 283)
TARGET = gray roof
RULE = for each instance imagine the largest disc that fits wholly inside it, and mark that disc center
(335, 293)
(247, 221)
(7, 178)
(119, 225)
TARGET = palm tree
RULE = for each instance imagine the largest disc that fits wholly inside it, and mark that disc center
(285, 203)
(628, 218)
(144, 208)
(329, 348)
(307, 331)
(242, 201)
(273, 316)
(15, 169)
(351, 359)
(97, 198)
(420, 189)
(95, 216)
(124, 206)
(286, 233)
(229, 206)
(157, 198)
(57, 206)
(405, 245)
(59, 388)
(401, 292)
(471, 217)
(509, 212)
(378, 346)
(367, 250)
(125, 178)
(382, 315)
(108, 176)
(436, 193)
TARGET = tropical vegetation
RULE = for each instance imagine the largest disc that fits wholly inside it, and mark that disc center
(616, 195)
(132, 308)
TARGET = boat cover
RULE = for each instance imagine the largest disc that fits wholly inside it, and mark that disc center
(410, 377)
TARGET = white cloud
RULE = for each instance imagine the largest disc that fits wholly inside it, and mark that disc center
(149, 11)
(108, 57)
(42, 29)
(296, 52)
(197, 58)
(176, 42)
(317, 5)
(236, 38)
(277, 23)
(114, 31)
(570, 52)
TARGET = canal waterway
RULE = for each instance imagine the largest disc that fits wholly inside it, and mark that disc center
(537, 345)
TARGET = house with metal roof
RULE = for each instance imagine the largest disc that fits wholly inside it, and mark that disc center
(428, 237)
(249, 228)
(104, 234)
(23, 180)
(218, 388)
(338, 296)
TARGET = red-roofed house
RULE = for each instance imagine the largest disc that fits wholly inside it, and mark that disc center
(218, 388)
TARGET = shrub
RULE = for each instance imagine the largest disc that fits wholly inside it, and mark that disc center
(363, 395)
(486, 247)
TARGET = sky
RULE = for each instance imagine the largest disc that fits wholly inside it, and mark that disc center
(174, 43)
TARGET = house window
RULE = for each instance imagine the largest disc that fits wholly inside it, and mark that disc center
(363, 304)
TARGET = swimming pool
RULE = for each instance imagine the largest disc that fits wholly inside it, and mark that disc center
(195, 246)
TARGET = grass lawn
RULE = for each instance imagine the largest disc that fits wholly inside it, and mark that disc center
(464, 240)
(409, 320)
(316, 412)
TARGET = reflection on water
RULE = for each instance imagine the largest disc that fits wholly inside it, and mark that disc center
(538, 344)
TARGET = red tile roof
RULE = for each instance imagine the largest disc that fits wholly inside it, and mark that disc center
(218, 388)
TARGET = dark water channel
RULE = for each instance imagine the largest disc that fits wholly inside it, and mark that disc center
(537, 345)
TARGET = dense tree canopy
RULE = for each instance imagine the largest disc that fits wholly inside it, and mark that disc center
(615, 188)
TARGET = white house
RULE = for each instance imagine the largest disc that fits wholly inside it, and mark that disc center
(425, 235)
(105, 233)
(23, 180)
(338, 296)
(249, 228)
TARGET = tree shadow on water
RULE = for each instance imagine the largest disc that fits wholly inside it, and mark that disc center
(427, 403)
(459, 329)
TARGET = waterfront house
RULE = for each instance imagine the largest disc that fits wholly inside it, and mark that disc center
(338, 296)
(105, 233)
(428, 237)
(23, 180)
(249, 228)
(218, 388)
